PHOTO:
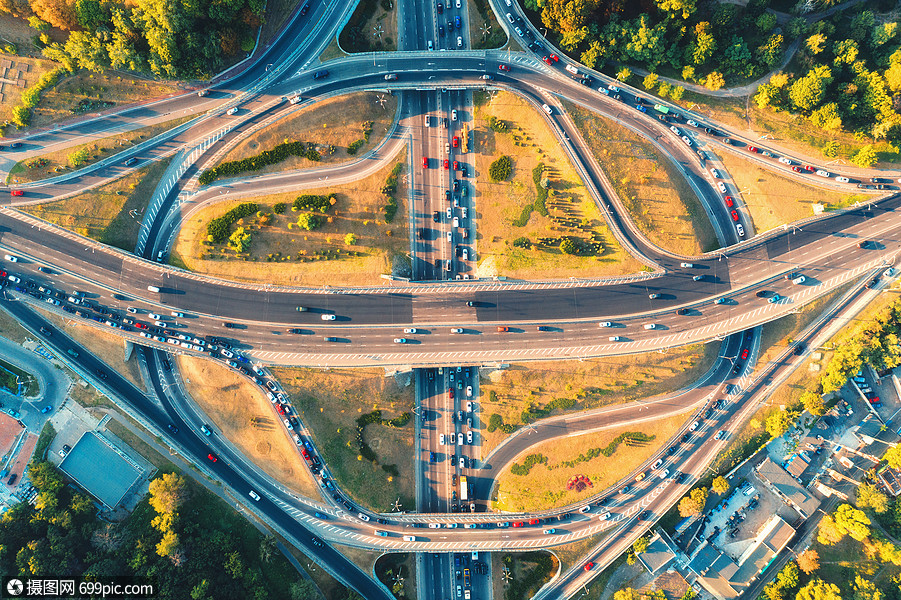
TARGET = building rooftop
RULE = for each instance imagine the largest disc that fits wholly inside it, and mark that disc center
(787, 487)
(108, 484)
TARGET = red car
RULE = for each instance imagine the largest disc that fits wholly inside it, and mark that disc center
(729, 202)
(555, 58)
(502, 329)
(212, 457)
(450, 394)
(548, 60)
(446, 164)
(734, 216)
(280, 409)
(810, 169)
(17, 192)
(456, 141)
(874, 400)
(3, 273)
(753, 149)
(518, 524)
(744, 354)
(304, 453)
(588, 566)
(797, 169)
(456, 166)
(534, 521)
(141, 325)
(425, 162)
(503, 67)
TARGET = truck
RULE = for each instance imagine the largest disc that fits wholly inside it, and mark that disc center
(464, 139)
(572, 69)
(661, 109)
(464, 489)
(466, 577)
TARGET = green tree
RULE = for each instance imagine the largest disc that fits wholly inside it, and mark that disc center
(819, 590)
(796, 27)
(893, 457)
(350, 239)
(846, 52)
(701, 49)
(852, 521)
(827, 117)
(813, 403)
(640, 545)
(596, 55)
(624, 74)
(240, 240)
(771, 52)
(565, 16)
(501, 168)
(308, 221)
(866, 590)
(869, 496)
(719, 486)
(865, 157)
(626, 594)
(830, 150)
(167, 493)
(766, 22)
(79, 156)
(807, 92)
(780, 422)
(568, 246)
(693, 503)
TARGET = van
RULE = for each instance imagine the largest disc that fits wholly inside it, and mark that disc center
(572, 69)
(153, 288)
(295, 99)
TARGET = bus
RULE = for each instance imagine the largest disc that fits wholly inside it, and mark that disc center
(464, 139)
(662, 109)
(464, 489)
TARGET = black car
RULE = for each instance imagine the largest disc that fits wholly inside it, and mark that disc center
(799, 349)
(305, 8)
(172, 428)
(680, 477)
(671, 450)
(436, 216)
(382, 521)
(102, 375)
(130, 161)
(645, 515)
(317, 542)
(320, 74)
(682, 311)
(228, 325)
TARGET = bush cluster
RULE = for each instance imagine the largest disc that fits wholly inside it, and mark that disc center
(522, 242)
(629, 437)
(501, 169)
(530, 461)
(497, 125)
(217, 230)
(375, 418)
(314, 202)
(30, 96)
(390, 189)
(263, 159)
(523, 218)
(540, 190)
(495, 421)
(279, 208)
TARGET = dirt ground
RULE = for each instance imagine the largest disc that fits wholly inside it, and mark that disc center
(592, 383)
(545, 485)
(238, 410)
(329, 403)
(774, 199)
(282, 253)
(53, 163)
(337, 122)
(110, 214)
(572, 211)
(657, 196)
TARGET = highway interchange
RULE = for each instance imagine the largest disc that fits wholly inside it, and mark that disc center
(553, 319)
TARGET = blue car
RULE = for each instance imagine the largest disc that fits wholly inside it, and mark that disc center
(432, 457)
(458, 22)
(46, 409)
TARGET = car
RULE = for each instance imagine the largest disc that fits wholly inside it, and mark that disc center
(549, 531)
(425, 162)
(17, 192)
(753, 149)
(455, 141)
(469, 395)
(715, 173)
(797, 169)
(329, 317)
(650, 326)
(698, 278)
(458, 23)
(254, 495)
(320, 74)
(605, 324)
(644, 516)
(653, 296)
(740, 229)
(459, 42)
(11, 258)
(548, 60)
(683, 311)
(774, 298)
(841, 179)
(440, 8)
(823, 173)
(212, 457)
(785, 161)
(744, 354)
(729, 201)
(675, 130)
(615, 338)
(400, 340)
(588, 566)
(734, 215)
(454, 116)
(721, 187)
(503, 67)
(720, 434)
(456, 330)
(687, 140)
(694, 425)
(502, 329)
(172, 428)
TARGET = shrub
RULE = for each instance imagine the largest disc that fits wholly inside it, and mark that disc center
(495, 421)
(279, 208)
(497, 125)
(350, 239)
(314, 202)
(21, 116)
(529, 462)
(217, 229)
(522, 242)
(501, 169)
(354, 146)
(79, 157)
(252, 163)
(308, 221)
(523, 217)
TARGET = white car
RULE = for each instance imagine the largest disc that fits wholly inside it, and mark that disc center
(254, 495)
(605, 324)
(155, 317)
(454, 115)
(675, 130)
(842, 179)
(615, 338)
(456, 221)
(462, 462)
(227, 353)
(449, 212)
(363, 517)
(469, 403)
(450, 236)
(650, 326)
(721, 186)
(694, 425)
(604, 516)
(441, 439)
(687, 140)
(329, 317)
(657, 464)
(691, 123)
(460, 439)
(180, 315)
(715, 173)
(686, 265)
(469, 437)
(469, 395)
(585, 508)
(400, 340)
(160, 323)
(410, 330)
(459, 42)
(465, 253)
(740, 230)
(452, 439)
(823, 173)
(11, 258)
(785, 161)
(130, 309)
(458, 4)
(456, 330)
